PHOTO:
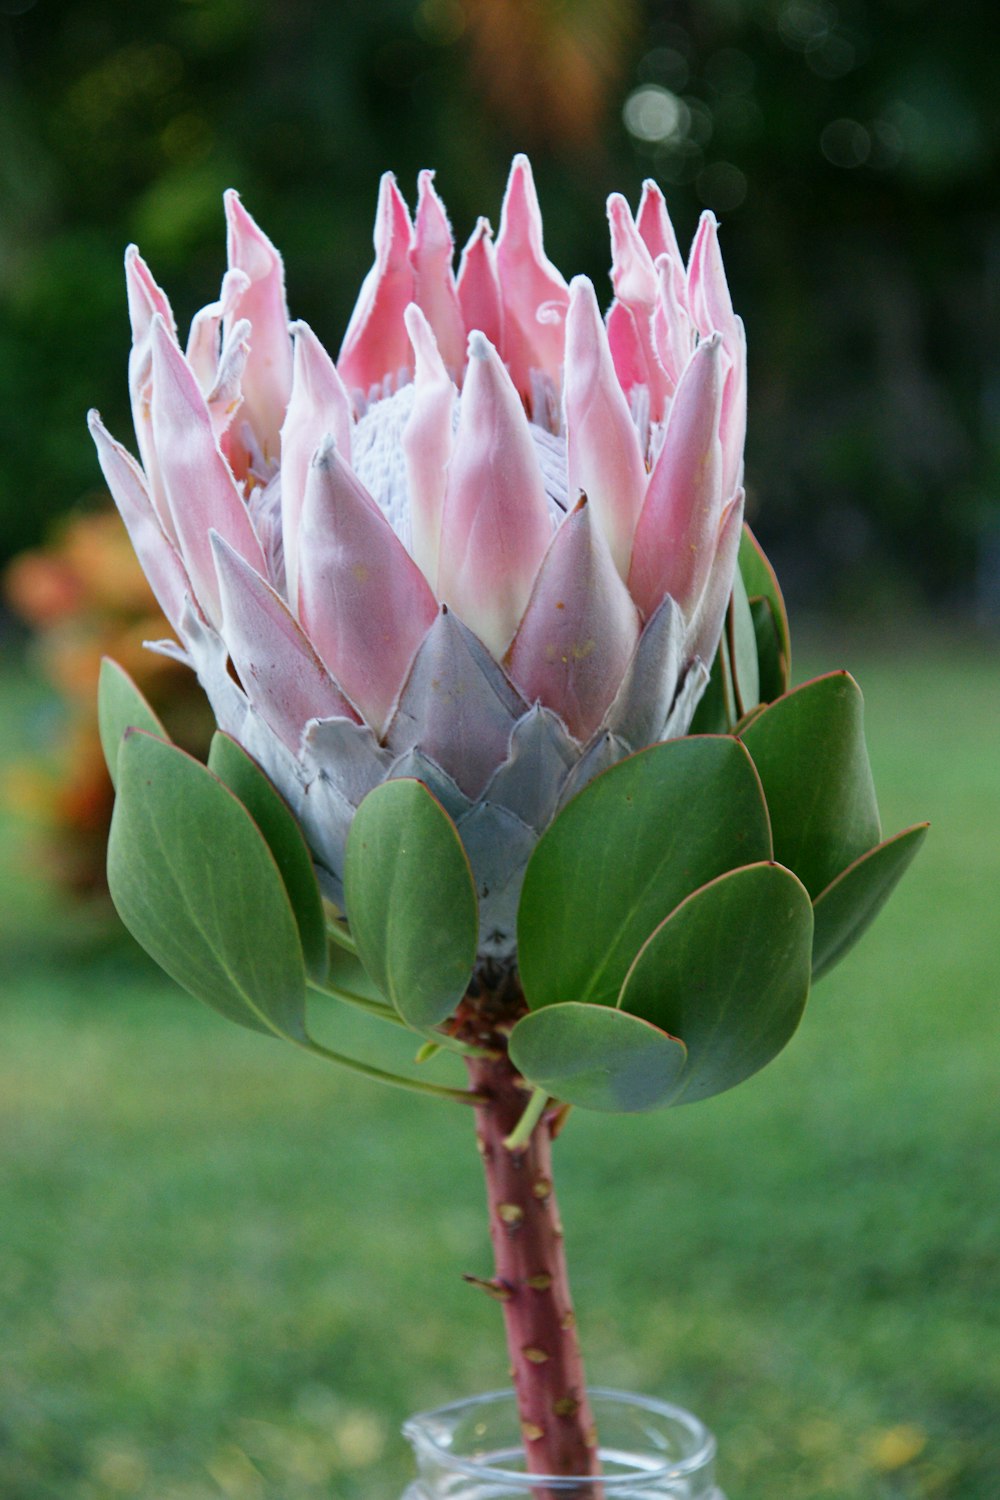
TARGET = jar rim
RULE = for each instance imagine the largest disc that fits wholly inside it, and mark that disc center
(416, 1431)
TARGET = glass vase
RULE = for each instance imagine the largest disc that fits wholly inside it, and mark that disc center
(471, 1450)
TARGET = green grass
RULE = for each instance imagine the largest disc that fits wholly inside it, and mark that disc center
(227, 1272)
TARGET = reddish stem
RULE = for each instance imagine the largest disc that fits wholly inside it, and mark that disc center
(531, 1281)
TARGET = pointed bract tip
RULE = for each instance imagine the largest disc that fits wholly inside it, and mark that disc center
(620, 214)
(479, 345)
(326, 454)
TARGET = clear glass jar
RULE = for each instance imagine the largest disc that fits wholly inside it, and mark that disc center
(471, 1450)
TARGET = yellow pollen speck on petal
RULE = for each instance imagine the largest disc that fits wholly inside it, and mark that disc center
(550, 651)
(360, 572)
(560, 604)
(583, 650)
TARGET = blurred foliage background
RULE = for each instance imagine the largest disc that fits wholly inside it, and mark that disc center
(849, 147)
(202, 1297)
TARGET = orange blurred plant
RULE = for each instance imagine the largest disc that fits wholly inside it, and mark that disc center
(85, 597)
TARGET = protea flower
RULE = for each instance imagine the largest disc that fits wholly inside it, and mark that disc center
(491, 546)
(433, 589)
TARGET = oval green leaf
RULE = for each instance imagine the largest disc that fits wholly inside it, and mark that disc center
(623, 853)
(197, 886)
(598, 1058)
(773, 676)
(716, 711)
(121, 706)
(809, 748)
(743, 650)
(761, 583)
(276, 821)
(411, 901)
(728, 973)
(850, 904)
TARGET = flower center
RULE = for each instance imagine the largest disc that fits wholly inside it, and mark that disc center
(379, 461)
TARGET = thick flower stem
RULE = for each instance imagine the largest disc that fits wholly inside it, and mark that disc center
(531, 1280)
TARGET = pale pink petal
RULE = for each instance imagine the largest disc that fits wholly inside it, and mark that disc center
(145, 298)
(199, 485)
(674, 335)
(710, 613)
(427, 444)
(145, 301)
(654, 226)
(733, 425)
(708, 291)
(479, 286)
(160, 561)
(267, 379)
(603, 457)
(280, 672)
(675, 534)
(363, 601)
(712, 308)
(224, 396)
(319, 405)
(579, 630)
(534, 294)
(496, 525)
(629, 351)
(205, 336)
(433, 277)
(376, 344)
(633, 276)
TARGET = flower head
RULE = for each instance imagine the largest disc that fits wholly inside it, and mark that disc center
(490, 545)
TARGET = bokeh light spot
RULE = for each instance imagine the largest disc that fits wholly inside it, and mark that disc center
(655, 114)
(722, 187)
(845, 143)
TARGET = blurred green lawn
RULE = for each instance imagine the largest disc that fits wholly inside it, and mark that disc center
(227, 1271)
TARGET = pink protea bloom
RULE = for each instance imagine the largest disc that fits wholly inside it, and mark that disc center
(490, 546)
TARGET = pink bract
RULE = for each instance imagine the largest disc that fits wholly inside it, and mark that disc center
(490, 545)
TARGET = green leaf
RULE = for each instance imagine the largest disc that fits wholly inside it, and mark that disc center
(850, 904)
(623, 853)
(411, 901)
(716, 711)
(596, 1057)
(269, 810)
(195, 883)
(728, 973)
(809, 748)
(761, 583)
(770, 660)
(121, 706)
(743, 650)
